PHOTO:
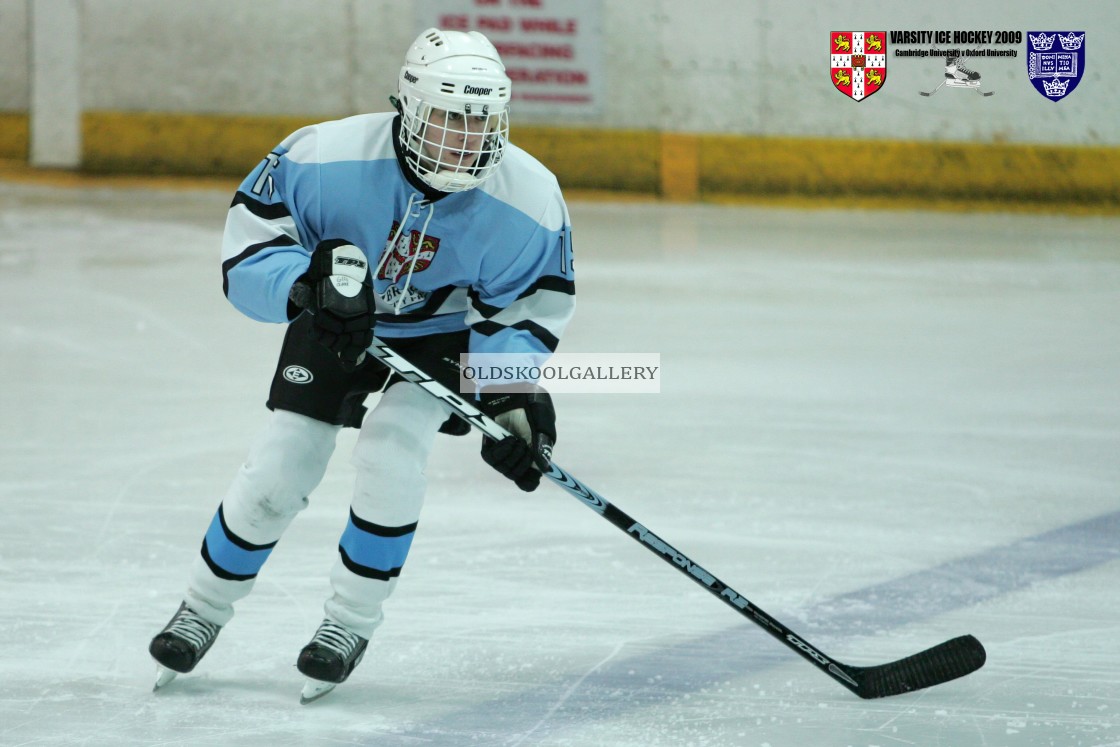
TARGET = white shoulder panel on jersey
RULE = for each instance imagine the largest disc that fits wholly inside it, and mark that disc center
(243, 230)
(525, 184)
(357, 138)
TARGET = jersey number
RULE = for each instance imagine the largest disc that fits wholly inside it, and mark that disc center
(566, 260)
(271, 162)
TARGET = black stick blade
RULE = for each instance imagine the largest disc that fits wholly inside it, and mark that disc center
(945, 661)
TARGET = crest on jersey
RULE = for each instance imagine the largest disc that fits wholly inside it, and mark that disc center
(858, 62)
(1055, 62)
(401, 255)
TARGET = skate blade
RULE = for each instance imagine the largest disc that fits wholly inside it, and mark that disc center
(315, 689)
(163, 677)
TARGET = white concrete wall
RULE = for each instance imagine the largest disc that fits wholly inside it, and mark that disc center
(762, 68)
(15, 40)
(724, 66)
(55, 65)
(260, 57)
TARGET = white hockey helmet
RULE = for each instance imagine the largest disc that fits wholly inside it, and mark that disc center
(454, 102)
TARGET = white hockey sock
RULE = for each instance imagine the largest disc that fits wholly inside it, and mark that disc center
(286, 462)
(390, 457)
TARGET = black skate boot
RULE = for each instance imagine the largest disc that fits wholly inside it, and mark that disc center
(329, 659)
(181, 644)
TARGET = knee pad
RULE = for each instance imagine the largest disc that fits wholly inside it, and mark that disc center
(286, 462)
(392, 453)
(402, 426)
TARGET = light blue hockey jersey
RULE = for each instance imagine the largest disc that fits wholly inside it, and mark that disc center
(496, 259)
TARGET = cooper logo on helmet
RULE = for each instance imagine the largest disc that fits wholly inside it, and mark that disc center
(477, 90)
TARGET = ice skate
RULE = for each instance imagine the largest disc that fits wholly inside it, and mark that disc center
(329, 659)
(959, 75)
(182, 643)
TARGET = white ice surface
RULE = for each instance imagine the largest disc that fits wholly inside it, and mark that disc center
(885, 429)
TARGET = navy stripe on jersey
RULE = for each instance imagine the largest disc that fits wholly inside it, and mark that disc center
(542, 310)
(549, 340)
(232, 262)
(229, 556)
(551, 283)
(374, 551)
(263, 210)
(547, 283)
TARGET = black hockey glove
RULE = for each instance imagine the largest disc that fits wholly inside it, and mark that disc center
(338, 291)
(530, 417)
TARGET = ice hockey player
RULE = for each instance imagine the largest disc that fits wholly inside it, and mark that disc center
(428, 225)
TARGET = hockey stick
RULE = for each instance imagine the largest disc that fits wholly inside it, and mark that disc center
(939, 87)
(952, 85)
(945, 661)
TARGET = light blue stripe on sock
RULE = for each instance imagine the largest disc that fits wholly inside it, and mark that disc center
(375, 551)
(233, 554)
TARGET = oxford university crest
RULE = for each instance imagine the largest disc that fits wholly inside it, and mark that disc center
(1055, 62)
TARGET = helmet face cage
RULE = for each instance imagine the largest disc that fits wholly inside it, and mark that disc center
(454, 102)
(452, 149)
